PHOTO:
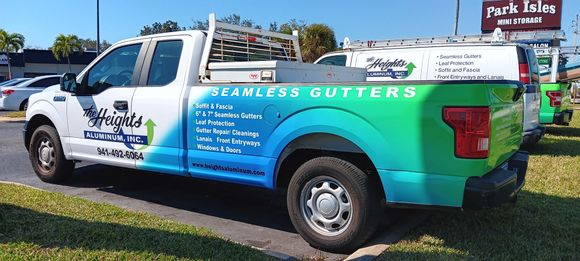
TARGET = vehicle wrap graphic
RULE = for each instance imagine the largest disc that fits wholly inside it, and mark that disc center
(395, 69)
(102, 117)
(237, 133)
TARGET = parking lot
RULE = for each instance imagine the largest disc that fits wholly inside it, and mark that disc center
(247, 215)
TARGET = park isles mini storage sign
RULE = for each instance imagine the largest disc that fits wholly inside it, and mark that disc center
(514, 15)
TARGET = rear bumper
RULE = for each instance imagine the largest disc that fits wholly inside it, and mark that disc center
(563, 118)
(533, 136)
(498, 186)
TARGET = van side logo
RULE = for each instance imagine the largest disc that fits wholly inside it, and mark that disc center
(397, 69)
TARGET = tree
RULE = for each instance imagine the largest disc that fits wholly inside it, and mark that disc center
(234, 19)
(64, 46)
(294, 25)
(157, 28)
(10, 42)
(90, 44)
(317, 40)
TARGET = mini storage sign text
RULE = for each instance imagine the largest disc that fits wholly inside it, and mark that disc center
(521, 14)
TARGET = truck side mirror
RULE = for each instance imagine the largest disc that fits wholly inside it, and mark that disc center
(68, 83)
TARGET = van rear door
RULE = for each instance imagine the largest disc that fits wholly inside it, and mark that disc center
(530, 77)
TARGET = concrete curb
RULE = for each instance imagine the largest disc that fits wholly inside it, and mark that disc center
(8, 119)
(20, 184)
(382, 242)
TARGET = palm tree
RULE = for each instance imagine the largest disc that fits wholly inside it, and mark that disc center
(317, 40)
(10, 43)
(64, 45)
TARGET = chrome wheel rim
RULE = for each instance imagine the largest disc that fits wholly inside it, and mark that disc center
(326, 206)
(46, 155)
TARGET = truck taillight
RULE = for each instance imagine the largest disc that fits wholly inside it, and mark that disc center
(471, 126)
(525, 73)
(7, 92)
(555, 98)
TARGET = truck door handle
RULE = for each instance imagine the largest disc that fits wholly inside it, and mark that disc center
(121, 105)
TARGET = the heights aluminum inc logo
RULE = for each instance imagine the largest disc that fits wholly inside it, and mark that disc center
(395, 69)
(102, 117)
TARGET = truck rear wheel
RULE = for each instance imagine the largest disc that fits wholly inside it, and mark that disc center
(47, 157)
(333, 204)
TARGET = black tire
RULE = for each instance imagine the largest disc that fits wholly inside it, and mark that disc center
(364, 197)
(24, 105)
(47, 157)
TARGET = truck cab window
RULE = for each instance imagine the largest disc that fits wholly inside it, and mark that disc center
(339, 60)
(115, 69)
(165, 62)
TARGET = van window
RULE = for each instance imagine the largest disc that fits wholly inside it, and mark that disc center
(339, 60)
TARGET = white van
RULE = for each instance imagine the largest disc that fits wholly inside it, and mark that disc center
(453, 62)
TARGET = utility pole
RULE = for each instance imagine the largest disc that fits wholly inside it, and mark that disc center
(98, 31)
(456, 16)
(575, 29)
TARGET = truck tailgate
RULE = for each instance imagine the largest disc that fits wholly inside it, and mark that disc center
(506, 123)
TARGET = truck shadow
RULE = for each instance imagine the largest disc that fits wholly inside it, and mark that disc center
(21, 225)
(228, 201)
(558, 141)
(563, 131)
(539, 225)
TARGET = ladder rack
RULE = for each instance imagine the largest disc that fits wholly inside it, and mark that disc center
(497, 37)
(232, 43)
(570, 50)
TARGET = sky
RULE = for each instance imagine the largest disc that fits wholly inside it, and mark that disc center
(41, 20)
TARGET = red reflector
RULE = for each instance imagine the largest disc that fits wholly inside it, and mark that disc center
(555, 98)
(524, 73)
(471, 126)
(7, 92)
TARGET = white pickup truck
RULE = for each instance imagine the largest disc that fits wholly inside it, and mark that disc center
(237, 105)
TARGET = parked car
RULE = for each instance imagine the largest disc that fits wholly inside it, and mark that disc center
(13, 82)
(14, 97)
(453, 62)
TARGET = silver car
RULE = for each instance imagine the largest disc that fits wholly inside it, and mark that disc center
(14, 97)
(13, 81)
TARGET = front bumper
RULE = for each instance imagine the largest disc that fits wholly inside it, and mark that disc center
(498, 186)
(24, 132)
(563, 118)
(533, 136)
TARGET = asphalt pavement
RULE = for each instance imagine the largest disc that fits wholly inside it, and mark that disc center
(248, 215)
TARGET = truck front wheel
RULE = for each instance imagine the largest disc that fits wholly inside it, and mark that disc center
(47, 157)
(333, 204)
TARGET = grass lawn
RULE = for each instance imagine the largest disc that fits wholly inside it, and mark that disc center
(43, 225)
(544, 224)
